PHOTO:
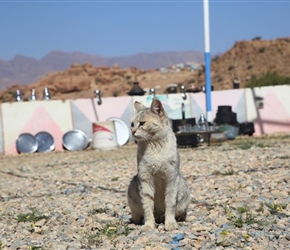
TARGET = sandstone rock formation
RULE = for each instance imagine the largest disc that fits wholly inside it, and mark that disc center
(247, 59)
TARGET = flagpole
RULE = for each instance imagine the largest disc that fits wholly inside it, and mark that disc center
(207, 59)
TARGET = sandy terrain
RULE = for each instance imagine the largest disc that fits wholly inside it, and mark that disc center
(77, 200)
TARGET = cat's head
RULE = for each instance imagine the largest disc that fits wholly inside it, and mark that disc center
(149, 123)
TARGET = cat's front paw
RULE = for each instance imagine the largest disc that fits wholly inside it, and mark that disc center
(171, 225)
(147, 227)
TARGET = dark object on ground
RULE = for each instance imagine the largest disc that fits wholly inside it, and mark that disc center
(184, 140)
(225, 115)
(247, 128)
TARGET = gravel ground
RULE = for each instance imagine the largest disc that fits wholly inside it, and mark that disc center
(77, 200)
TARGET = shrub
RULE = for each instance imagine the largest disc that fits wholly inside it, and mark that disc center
(256, 38)
(191, 81)
(262, 50)
(98, 80)
(216, 58)
(268, 79)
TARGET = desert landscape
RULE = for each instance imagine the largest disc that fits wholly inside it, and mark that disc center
(244, 61)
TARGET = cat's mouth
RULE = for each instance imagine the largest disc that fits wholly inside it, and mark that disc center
(138, 138)
(135, 136)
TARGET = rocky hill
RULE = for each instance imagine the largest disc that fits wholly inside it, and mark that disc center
(24, 70)
(245, 60)
(248, 59)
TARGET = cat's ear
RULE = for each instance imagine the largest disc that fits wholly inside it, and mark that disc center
(156, 107)
(139, 106)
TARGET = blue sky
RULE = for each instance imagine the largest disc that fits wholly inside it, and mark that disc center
(120, 28)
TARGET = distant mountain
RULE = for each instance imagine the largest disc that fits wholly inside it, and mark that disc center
(244, 61)
(23, 70)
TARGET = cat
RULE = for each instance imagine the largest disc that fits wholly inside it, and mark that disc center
(159, 192)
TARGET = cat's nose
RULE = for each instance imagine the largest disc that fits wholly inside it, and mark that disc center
(133, 132)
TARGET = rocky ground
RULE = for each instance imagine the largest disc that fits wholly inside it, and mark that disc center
(77, 200)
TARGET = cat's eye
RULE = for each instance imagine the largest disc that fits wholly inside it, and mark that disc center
(142, 123)
(132, 124)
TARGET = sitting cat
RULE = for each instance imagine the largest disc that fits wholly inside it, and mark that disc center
(159, 192)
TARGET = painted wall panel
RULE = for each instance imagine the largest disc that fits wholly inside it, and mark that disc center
(84, 115)
(234, 98)
(171, 103)
(87, 111)
(274, 116)
(251, 110)
(32, 117)
(1, 132)
(58, 117)
(112, 107)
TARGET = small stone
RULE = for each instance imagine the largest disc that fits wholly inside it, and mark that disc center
(197, 244)
(223, 241)
(200, 228)
(192, 236)
(16, 244)
(287, 236)
(40, 223)
(142, 240)
(221, 220)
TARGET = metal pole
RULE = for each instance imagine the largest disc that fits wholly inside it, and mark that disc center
(207, 59)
